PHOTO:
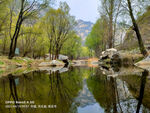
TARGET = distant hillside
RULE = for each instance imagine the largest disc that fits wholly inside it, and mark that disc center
(83, 28)
(143, 21)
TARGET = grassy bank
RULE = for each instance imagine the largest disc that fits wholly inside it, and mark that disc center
(17, 65)
(18, 62)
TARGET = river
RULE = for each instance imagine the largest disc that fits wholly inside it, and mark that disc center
(78, 90)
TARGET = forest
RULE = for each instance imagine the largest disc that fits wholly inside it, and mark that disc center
(120, 25)
(35, 28)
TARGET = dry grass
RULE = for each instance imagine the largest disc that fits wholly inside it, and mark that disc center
(18, 61)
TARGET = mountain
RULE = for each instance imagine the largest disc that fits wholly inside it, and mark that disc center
(83, 28)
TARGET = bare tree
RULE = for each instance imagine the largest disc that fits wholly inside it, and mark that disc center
(136, 29)
(111, 8)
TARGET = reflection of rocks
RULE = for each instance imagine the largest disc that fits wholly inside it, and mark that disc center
(108, 71)
(135, 84)
(127, 103)
(145, 64)
(114, 72)
(85, 96)
(130, 106)
(61, 69)
(123, 91)
(113, 94)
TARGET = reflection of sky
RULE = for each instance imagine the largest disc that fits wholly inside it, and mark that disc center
(17, 81)
(91, 109)
(87, 101)
(84, 9)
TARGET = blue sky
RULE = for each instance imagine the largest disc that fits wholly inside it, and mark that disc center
(84, 9)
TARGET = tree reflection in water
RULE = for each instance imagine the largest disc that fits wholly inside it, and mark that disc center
(113, 94)
(122, 94)
(141, 94)
(13, 92)
(60, 91)
(45, 89)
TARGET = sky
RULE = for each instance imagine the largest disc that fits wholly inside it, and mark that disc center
(86, 10)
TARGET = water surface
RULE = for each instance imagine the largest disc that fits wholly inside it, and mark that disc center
(79, 90)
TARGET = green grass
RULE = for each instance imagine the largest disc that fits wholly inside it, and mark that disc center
(29, 62)
(18, 71)
(18, 60)
(1, 71)
(1, 63)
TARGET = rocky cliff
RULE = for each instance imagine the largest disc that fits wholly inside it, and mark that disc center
(83, 28)
(143, 21)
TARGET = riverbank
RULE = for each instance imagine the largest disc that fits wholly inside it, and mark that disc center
(123, 58)
(19, 65)
(18, 62)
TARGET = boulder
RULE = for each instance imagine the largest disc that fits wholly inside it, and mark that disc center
(65, 59)
(44, 64)
(116, 59)
(111, 52)
(62, 57)
(108, 53)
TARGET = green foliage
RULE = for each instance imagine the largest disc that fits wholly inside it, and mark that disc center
(18, 60)
(72, 47)
(96, 40)
(58, 26)
(84, 52)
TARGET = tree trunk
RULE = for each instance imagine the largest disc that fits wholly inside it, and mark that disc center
(16, 33)
(56, 54)
(136, 29)
(50, 58)
(4, 46)
(10, 49)
(111, 8)
(111, 33)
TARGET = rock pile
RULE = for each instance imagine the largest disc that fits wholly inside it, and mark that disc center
(109, 55)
